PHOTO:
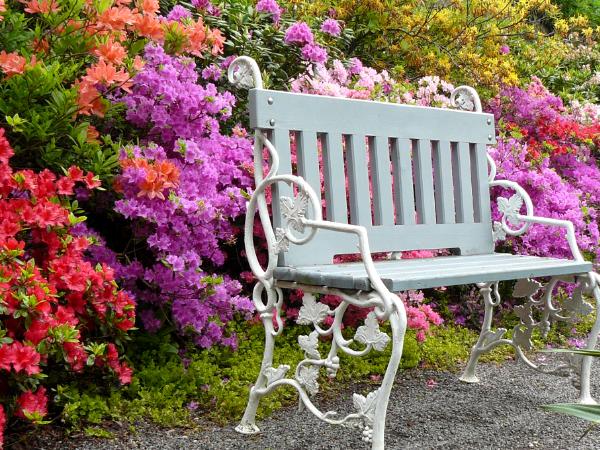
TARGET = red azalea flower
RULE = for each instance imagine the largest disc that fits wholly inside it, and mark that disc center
(37, 331)
(7, 356)
(75, 355)
(91, 181)
(64, 186)
(32, 403)
(26, 359)
(75, 173)
(124, 372)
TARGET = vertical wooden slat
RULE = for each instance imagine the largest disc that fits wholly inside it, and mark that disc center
(308, 160)
(281, 141)
(358, 180)
(381, 178)
(404, 195)
(463, 194)
(424, 181)
(479, 180)
(335, 178)
(444, 190)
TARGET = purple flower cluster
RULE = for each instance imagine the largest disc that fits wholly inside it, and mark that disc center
(178, 13)
(300, 34)
(547, 148)
(331, 27)
(270, 7)
(553, 196)
(314, 53)
(187, 230)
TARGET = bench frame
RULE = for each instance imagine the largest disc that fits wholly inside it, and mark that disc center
(304, 220)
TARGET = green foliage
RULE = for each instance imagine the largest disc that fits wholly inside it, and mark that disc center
(218, 379)
(576, 76)
(254, 34)
(99, 433)
(588, 8)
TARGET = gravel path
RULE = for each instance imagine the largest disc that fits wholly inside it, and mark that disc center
(501, 412)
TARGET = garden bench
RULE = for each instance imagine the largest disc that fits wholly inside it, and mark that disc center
(396, 178)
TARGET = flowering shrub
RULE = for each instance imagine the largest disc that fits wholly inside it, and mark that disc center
(548, 150)
(355, 80)
(270, 32)
(486, 44)
(59, 62)
(183, 192)
(59, 315)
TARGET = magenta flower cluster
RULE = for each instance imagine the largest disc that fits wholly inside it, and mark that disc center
(179, 13)
(553, 196)
(331, 27)
(301, 35)
(547, 148)
(270, 7)
(187, 227)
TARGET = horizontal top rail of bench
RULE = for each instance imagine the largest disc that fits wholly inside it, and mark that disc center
(291, 111)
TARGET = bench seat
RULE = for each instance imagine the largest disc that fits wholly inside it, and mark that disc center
(404, 274)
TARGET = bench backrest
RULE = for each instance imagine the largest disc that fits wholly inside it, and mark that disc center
(415, 177)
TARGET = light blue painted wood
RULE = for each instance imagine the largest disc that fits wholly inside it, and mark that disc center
(347, 116)
(335, 178)
(481, 187)
(381, 177)
(308, 160)
(423, 173)
(404, 195)
(411, 274)
(412, 173)
(358, 180)
(444, 188)
(471, 239)
(463, 192)
(281, 140)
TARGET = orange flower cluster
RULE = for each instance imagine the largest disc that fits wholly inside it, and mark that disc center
(13, 63)
(160, 175)
(109, 29)
(43, 7)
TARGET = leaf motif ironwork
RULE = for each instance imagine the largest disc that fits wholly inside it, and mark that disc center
(510, 208)
(494, 336)
(365, 406)
(273, 374)
(310, 345)
(498, 232)
(294, 210)
(526, 288)
(522, 338)
(282, 243)
(524, 313)
(369, 333)
(312, 312)
(308, 376)
(577, 305)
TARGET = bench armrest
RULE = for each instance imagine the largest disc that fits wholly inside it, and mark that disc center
(365, 253)
(513, 223)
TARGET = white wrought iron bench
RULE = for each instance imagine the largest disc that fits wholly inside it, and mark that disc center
(417, 178)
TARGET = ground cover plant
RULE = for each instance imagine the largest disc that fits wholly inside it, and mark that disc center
(133, 95)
